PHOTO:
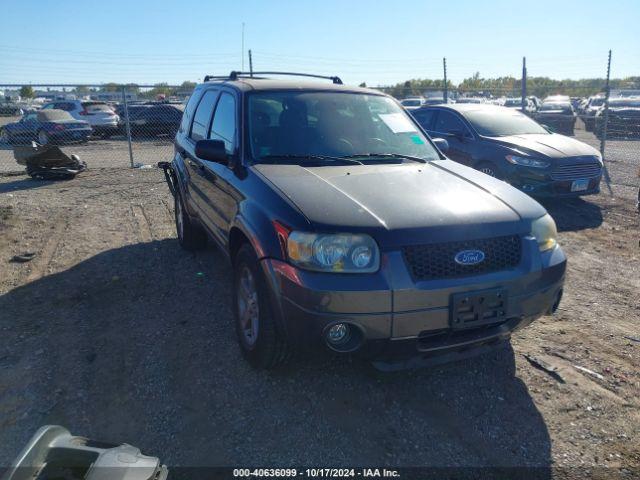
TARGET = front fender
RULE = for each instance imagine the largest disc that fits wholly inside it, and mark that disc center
(257, 226)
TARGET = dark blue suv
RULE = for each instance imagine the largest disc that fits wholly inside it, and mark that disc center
(349, 230)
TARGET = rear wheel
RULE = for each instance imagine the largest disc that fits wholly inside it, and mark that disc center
(260, 340)
(190, 236)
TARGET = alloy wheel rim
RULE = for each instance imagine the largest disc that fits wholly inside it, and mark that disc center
(488, 171)
(248, 308)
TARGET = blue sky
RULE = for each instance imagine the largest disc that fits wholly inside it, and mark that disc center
(144, 41)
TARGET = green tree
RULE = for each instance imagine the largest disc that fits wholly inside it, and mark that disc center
(27, 91)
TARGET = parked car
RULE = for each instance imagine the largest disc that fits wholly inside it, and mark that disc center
(152, 120)
(99, 115)
(508, 145)
(412, 102)
(55, 127)
(624, 118)
(594, 104)
(558, 116)
(349, 230)
(10, 109)
(516, 103)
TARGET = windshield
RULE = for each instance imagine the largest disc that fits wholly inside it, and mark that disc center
(411, 103)
(513, 102)
(597, 102)
(287, 124)
(498, 122)
(555, 106)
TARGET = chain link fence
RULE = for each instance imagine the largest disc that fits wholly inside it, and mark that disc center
(134, 125)
(105, 126)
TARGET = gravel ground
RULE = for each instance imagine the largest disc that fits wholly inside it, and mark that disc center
(116, 333)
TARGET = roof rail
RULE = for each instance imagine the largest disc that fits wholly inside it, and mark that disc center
(234, 75)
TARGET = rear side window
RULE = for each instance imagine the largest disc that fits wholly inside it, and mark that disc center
(188, 111)
(224, 122)
(202, 115)
(66, 106)
(96, 107)
(424, 118)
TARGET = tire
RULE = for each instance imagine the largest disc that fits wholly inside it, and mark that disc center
(490, 169)
(261, 342)
(43, 138)
(190, 236)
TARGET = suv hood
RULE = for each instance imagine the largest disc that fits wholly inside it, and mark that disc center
(433, 201)
(552, 146)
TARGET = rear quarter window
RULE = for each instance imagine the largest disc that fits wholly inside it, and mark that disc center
(188, 111)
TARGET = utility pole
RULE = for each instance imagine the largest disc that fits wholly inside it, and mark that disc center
(603, 137)
(250, 64)
(524, 83)
(445, 94)
(242, 47)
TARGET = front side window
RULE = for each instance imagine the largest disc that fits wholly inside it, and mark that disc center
(447, 122)
(424, 118)
(203, 115)
(332, 124)
(224, 122)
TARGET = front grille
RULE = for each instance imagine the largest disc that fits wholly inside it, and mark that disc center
(436, 260)
(576, 170)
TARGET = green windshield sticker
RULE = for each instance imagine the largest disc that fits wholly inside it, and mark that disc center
(417, 140)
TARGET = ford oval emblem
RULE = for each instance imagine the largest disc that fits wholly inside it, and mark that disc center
(469, 257)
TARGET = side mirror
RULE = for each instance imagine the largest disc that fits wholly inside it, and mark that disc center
(441, 143)
(212, 150)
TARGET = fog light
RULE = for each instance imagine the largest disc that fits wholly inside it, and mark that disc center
(338, 334)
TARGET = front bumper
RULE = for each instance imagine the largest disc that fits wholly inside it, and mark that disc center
(539, 183)
(397, 316)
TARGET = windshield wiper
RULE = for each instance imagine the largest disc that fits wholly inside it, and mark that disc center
(274, 158)
(386, 155)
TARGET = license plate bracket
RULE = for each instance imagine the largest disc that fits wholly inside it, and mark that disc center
(580, 185)
(479, 308)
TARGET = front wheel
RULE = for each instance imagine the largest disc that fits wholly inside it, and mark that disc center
(260, 340)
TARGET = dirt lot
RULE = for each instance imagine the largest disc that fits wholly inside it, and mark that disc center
(116, 333)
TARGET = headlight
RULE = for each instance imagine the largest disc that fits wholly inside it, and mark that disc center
(527, 161)
(349, 253)
(544, 229)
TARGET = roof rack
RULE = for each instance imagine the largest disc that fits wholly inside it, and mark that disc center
(234, 75)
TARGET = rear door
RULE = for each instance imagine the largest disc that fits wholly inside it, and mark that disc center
(220, 194)
(199, 130)
(450, 126)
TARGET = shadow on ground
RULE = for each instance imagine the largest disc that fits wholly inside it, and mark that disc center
(574, 214)
(25, 183)
(136, 345)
